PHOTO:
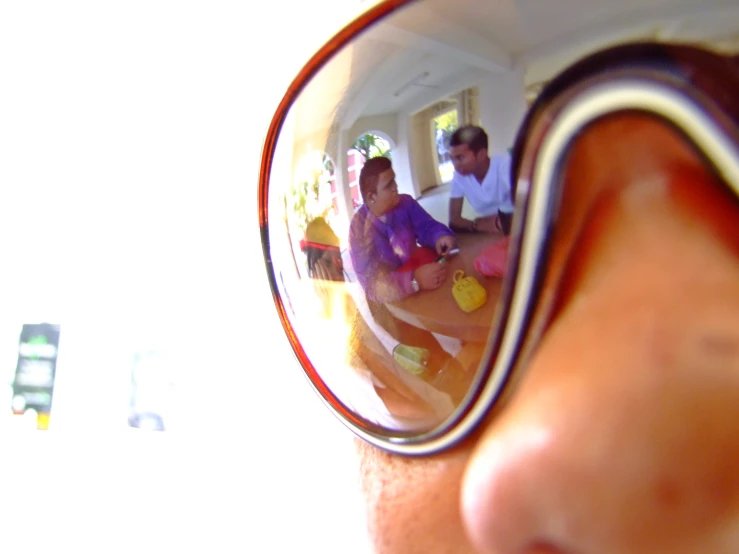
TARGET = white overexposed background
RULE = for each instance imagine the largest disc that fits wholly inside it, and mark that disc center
(130, 135)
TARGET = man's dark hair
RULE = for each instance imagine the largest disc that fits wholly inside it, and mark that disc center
(474, 137)
(370, 173)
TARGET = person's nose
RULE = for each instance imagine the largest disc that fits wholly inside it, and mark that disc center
(623, 436)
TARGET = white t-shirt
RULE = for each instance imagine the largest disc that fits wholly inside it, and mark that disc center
(493, 194)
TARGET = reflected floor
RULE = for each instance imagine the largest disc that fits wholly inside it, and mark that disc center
(436, 202)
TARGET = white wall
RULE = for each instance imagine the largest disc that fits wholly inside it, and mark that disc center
(502, 105)
(402, 162)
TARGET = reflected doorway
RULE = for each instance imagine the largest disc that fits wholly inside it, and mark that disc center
(443, 126)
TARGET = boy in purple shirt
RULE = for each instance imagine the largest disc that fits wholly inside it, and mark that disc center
(386, 231)
(384, 234)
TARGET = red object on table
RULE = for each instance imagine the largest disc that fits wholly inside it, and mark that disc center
(421, 256)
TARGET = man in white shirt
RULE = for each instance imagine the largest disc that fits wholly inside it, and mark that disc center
(484, 181)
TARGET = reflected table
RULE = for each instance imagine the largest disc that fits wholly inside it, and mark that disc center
(438, 312)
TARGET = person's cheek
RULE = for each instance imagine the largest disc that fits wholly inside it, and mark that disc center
(413, 503)
(623, 437)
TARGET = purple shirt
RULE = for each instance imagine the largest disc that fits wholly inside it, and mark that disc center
(377, 249)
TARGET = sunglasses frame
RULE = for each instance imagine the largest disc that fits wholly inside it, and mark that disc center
(536, 199)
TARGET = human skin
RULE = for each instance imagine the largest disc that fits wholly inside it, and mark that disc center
(620, 433)
(385, 196)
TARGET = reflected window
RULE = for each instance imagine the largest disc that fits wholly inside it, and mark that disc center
(365, 147)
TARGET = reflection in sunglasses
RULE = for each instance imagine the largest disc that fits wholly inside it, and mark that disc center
(383, 340)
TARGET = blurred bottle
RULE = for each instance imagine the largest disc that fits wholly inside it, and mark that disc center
(451, 378)
(413, 359)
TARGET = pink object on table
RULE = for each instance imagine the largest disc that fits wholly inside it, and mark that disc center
(493, 260)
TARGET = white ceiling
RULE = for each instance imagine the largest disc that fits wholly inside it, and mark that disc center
(431, 43)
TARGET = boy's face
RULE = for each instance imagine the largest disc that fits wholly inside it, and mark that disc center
(622, 435)
(386, 197)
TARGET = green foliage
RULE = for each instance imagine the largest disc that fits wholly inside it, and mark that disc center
(310, 194)
(447, 122)
(444, 125)
(372, 146)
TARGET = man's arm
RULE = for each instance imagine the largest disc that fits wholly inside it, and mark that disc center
(488, 224)
(456, 221)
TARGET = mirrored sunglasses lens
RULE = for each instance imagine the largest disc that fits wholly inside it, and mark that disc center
(390, 214)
